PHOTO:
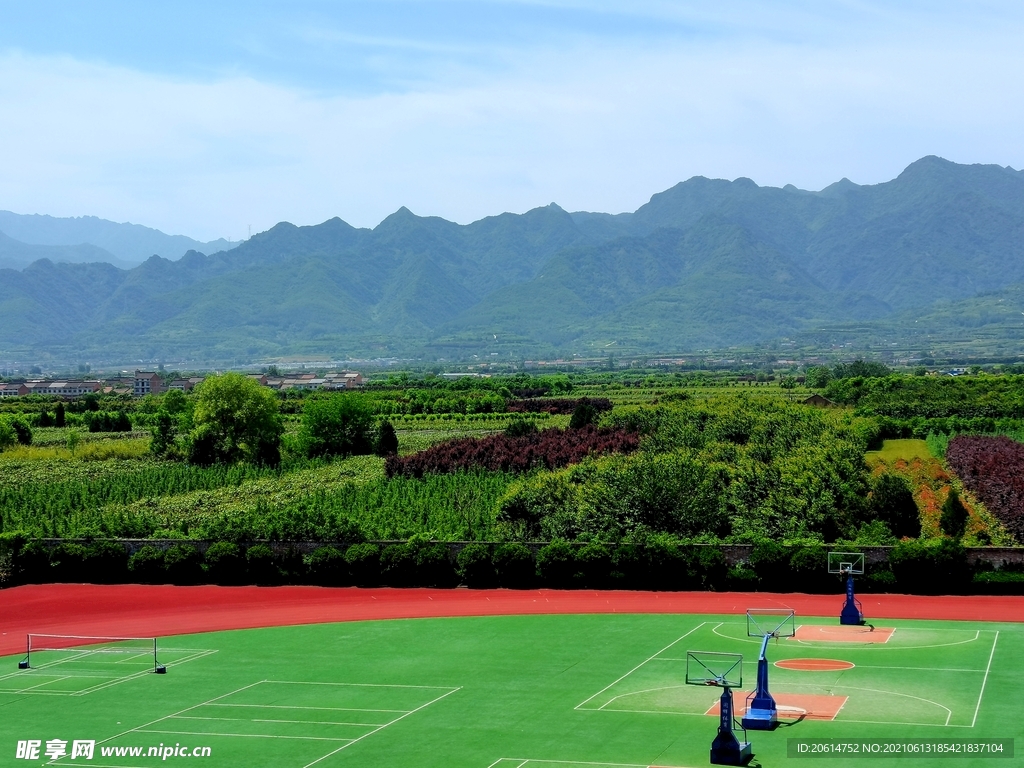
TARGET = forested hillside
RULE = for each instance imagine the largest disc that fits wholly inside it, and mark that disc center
(708, 263)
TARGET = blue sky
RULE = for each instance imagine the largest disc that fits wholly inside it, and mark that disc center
(206, 118)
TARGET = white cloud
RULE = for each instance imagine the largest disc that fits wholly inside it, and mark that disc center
(598, 125)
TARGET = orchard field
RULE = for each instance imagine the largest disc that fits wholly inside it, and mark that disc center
(572, 480)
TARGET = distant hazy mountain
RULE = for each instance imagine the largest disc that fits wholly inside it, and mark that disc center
(17, 255)
(127, 243)
(706, 264)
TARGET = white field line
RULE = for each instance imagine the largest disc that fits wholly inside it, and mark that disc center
(110, 679)
(701, 714)
(878, 646)
(133, 657)
(949, 712)
(889, 722)
(100, 677)
(254, 720)
(246, 735)
(323, 722)
(840, 708)
(166, 717)
(358, 685)
(637, 693)
(197, 655)
(402, 717)
(293, 706)
(56, 680)
(569, 762)
(816, 643)
(109, 683)
(76, 656)
(916, 669)
(634, 669)
(984, 680)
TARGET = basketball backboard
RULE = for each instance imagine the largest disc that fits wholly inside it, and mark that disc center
(846, 562)
(714, 668)
(771, 622)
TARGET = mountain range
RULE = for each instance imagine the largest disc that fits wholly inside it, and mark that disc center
(706, 264)
(28, 238)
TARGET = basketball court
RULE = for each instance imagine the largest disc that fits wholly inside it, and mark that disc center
(605, 690)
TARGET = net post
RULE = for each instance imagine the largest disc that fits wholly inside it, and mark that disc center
(27, 661)
(159, 668)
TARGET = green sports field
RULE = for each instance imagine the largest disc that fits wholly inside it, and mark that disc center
(508, 692)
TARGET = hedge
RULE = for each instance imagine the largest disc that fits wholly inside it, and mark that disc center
(918, 567)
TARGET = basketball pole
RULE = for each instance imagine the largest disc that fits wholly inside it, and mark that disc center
(726, 749)
(762, 713)
(851, 613)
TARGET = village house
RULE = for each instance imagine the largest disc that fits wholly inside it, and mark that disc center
(185, 385)
(147, 383)
(63, 388)
(343, 380)
(13, 390)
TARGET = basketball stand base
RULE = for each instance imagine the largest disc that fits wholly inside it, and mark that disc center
(730, 752)
(851, 614)
(22, 665)
(761, 719)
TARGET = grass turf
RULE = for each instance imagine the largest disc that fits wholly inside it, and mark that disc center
(470, 692)
(902, 449)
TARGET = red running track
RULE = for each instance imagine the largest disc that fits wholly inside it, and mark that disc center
(133, 610)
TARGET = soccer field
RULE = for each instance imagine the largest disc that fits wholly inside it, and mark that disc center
(509, 692)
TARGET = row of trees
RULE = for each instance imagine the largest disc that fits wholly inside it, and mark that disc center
(231, 419)
(658, 563)
(725, 467)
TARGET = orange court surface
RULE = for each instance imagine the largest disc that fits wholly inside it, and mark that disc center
(793, 706)
(842, 634)
(815, 665)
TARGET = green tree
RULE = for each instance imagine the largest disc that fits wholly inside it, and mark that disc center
(235, 419)
(387, 440)
(174, 401)
(59, 419)
(583, 415)
(164, 433)
(72, 440)
(892, 502)
(8, 436)
(862, 368)
(818, 376)
(954, 515)
(22, 431)
(520, 427)
(337, 425)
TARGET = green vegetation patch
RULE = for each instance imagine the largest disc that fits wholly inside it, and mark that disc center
(907, 450)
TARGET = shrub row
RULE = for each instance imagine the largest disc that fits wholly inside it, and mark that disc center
(992, 468)
(913, 567)
(558, 405)
(548, 449)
